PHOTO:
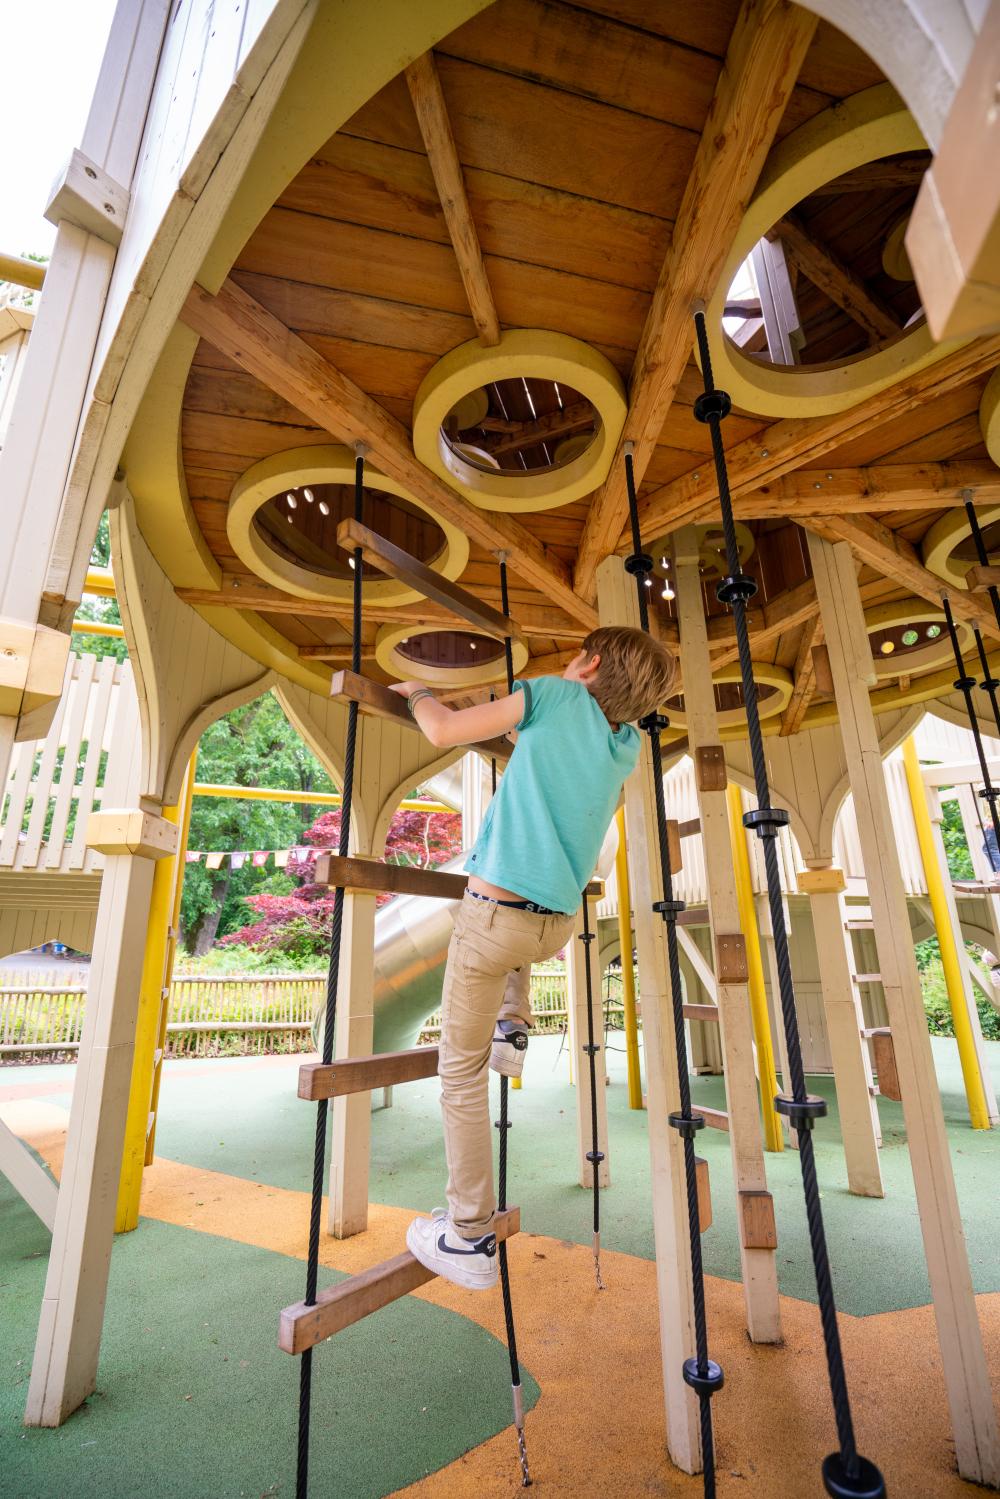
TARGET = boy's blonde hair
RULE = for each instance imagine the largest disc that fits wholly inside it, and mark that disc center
(636, 673)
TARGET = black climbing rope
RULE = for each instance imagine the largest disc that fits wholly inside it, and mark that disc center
(594, 1156)
(701, 1373)
(846, 1474)
(965, 684)
(503, 1125)
(330, 1013)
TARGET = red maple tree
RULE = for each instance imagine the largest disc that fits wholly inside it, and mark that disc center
(298, 924)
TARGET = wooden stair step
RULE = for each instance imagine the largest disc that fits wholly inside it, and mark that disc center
(376, 700)
(395, 879)
(362, 1074)
(342, 1305)
(701, 1012)
(977, 887)
(391, 559)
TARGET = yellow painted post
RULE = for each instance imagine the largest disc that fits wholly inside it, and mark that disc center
(168, 966)
(950, 960)
(773, 1139)
(166, 879)
(628, 975)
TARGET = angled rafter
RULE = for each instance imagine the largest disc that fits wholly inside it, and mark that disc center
(766, 49)
(797, 442)
(239, 327)
(898, 559)
(439, 143)
(804, 677)
(830, 276)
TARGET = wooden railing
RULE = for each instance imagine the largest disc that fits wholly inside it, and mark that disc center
(88, 758)
(211, 1014)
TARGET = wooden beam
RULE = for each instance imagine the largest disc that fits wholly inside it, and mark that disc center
(439, 143)
(340, 1306)
(804, 677)
(799, 442)
(896, 558)
(766, 49)
(361, 1074)
(714, 1118)
(701, 1012)
(241, 592)
(981, 577)
(867, 490)
(511, 436)
(390, 559)
(836, 280)
(392, 879)
(379, 702)
(243, 330)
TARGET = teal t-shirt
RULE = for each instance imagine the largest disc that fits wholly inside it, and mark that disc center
(544, 827)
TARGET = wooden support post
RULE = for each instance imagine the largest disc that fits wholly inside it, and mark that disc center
(859, 1126)
(64, 1370)
(618, 606)
(759, 1271)
(973, 1416)
(578, 954)
(350, 1150)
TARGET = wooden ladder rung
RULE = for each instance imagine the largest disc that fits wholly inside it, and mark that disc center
(701, 1012)
(714, 1118)
(361, 1074)
(391, 559)
(866, 978)
(977, 887)
(396, 879)
(376, 700)
(690, 828)
(340, 1306)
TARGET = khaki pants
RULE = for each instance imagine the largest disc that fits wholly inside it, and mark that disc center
(486, 979)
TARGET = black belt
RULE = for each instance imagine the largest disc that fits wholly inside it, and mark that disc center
(518, 905)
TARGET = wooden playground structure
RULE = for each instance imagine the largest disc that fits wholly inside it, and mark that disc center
(415, 341)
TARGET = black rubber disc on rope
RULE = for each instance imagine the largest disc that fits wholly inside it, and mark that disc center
(869, 1484)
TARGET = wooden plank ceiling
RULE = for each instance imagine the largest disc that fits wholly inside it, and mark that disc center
(576, 129)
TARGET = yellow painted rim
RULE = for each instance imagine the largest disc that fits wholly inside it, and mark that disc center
(938, 547)
(935, 654)
(327, 464)
(871, 124)
(895, 261)
(531, 353)
(923, 690)
(396, 664)
(989, 416)
(733, 718)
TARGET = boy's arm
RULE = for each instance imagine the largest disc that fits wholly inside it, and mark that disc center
(445, 726)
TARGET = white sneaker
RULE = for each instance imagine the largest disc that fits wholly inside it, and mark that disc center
(471, 1263)
(510, 1042)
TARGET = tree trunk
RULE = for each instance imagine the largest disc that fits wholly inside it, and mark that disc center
(204, 930)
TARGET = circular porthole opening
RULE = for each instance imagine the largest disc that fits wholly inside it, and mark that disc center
(520, 426)
(445, 658)
(450, 649)
(907, 638)
(300, 525)
(729, 697)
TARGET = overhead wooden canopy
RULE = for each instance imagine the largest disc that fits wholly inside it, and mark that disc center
(584, 168)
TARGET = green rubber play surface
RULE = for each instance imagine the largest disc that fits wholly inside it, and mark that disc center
(264, 1132)
(194, 1398)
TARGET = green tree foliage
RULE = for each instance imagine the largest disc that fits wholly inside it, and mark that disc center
(104, 611)
(252, 746)
(955, 845)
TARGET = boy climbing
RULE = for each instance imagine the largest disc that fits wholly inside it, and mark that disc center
(535, 852)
